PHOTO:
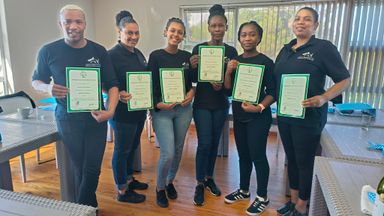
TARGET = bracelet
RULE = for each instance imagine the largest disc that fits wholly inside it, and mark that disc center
(261, 106)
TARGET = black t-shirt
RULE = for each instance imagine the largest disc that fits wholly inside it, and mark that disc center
(53, 58)
(206, 97)
(267, 87)
(124, 61)
(319, 58)
(162, 59)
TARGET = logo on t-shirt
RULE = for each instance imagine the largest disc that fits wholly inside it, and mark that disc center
(93, 62)
(306, 56)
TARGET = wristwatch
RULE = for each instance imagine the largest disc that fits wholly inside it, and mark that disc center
(261, 106)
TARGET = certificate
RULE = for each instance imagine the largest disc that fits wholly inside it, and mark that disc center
(293, 90)
(247, 83)
(172, 85)
(139, 84)
(84, 89)
(211, 65)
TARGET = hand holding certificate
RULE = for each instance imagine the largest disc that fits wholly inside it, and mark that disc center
(172, 85)
(139, 84)
(247, 84)
(84, 89)
(211, 64)
(293, 91)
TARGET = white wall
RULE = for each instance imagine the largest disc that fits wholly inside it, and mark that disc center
(31, 24)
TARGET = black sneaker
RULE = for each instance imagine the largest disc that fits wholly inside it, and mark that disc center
(198, 199)
(296, 213)
(258, 206)
(171, 191)
(161, 199)
(211, 186)
(136, 185)
(130, 196)
(286, 209)
(236, 196)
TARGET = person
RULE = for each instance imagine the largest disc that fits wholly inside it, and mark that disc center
(252, 122)
(301, 137)
(83, 134)
(210, 108)
(127, 125)
(170, 121)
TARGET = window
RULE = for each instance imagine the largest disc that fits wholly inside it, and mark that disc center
(356, 27)
(4, 84)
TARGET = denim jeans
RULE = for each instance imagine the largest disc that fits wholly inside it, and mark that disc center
(209, 124)
(170, 128)
(84, 140)
(127, 139)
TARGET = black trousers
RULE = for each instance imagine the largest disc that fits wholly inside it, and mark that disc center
(300, 145)
(251, 141)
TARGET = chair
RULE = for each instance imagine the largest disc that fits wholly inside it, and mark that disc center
(9, 104)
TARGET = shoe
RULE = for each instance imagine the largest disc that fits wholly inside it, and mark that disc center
(258, 206)
(296, 213)
(211, 186)
(136, 185)
(286, 209)
(198, 199)
(171, 191)
(161, 199)
(130, 196)
(236, 196)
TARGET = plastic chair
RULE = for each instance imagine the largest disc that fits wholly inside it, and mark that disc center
(9, 104)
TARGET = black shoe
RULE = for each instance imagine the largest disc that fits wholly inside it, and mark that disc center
(236, 196)
(258, 206)
(136, 185)
(211, 186)
(286, 209)
(130, 196)
(296, 213)
(161, 199)
(198, 199)
(171, 191)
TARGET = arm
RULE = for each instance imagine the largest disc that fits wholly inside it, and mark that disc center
(113, 98)
(57, 91)
(228, 74)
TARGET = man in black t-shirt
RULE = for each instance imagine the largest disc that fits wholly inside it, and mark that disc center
(83, 134)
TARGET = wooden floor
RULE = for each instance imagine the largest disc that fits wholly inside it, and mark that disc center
(43, 180)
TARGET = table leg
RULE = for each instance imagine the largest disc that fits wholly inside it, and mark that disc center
(6, 176)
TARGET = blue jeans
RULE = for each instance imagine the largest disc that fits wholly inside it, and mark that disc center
(127, 139)
(84, 140)
(209, 124)
(170, 128)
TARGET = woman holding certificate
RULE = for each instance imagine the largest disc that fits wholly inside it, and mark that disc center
(300, 71)
(253, 88)
(173, 94)
(210, 107)
(127, 125)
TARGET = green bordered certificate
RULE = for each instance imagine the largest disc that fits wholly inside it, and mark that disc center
(293, 90)
(211, 64)
(172, 85)
(84, 89)
(139, 84)
(247, 83)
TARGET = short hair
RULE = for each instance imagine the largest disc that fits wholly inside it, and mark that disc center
(314, 13)
(259, 29)
(217, 10)
(176, 20)
(71, 7)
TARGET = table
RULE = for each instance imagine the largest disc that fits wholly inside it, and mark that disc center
(24, 135)
(350, 143)
(12, 204)
(337, 184)
(336, 118)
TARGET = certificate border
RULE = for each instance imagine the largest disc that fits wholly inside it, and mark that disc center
(127, 74)
(305, 94)
(161, 82)
(260, 82)
(199, 69)
(67, 69)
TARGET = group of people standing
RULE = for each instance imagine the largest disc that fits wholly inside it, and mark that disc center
(83, 134)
